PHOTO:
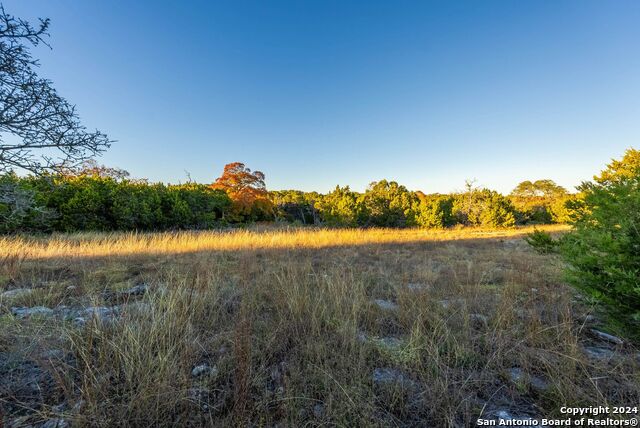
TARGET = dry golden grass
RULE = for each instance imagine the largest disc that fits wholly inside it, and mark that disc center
(288, 320)
(135, 244)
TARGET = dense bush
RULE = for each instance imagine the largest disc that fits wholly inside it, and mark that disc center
(341, 207)
(295, 206)
(101, 198)
(532, 210)
(434, 212)
(93, 202)
(542, 201)
(542, 242)
(387, 204)
(483, 208)
(19, 208)
(560, 208)
(603, 250)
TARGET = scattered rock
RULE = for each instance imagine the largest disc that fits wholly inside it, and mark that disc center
(536, 383)
(79, 322)
(59, 408)
(197, 393)
(78, 315)
(24, 312)
(418, 287)
(390, 376)
(199, 396)
(135, 307)
(318, 411)
(516, 375)
(446, 303)
(589, 319)
(534, 290)
(608, 337)
(16, 293)
(66, 312)
(386, 305)
(204, 369)
(78, 406)
(390, 342)
(102, 313)
(55, 423)
(137, 290)
(121, 296)
(599, 353)
(507, 415)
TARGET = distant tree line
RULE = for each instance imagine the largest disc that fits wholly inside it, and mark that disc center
(389, 204)
(103, 199)
(91, 202)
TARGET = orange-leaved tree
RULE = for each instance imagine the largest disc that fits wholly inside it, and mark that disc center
(247, 190)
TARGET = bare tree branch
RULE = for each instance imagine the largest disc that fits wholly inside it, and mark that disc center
(51, 135)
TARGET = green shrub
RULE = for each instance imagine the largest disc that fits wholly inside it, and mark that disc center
(484, 208)
(387, 204)
(542, 242)
(603, 250)
(295, 206)
(95, 202)
(340, 207)
(435, 212)
(20, 209)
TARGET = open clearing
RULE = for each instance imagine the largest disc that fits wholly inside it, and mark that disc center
(297, 327)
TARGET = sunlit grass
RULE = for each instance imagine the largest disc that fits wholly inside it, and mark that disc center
(289, 320)
(132, 243)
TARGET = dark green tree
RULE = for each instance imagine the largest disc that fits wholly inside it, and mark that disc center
(387, 204)
(434, 211)
(603, 250)
(340, 207)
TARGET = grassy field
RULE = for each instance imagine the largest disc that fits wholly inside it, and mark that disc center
(300, 327)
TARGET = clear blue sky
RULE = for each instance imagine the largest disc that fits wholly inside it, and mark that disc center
(319, 93)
